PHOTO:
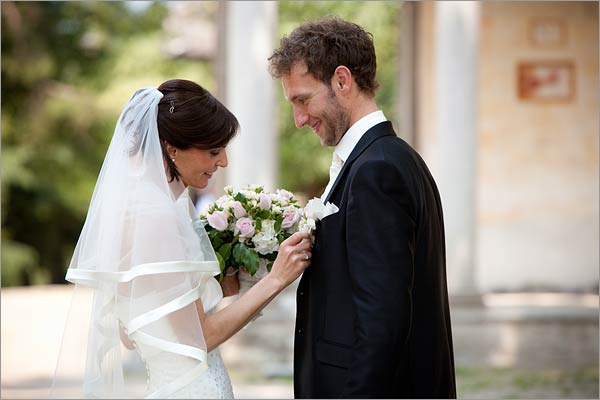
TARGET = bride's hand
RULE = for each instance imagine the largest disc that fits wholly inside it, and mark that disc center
(230, 284)
(292, 259)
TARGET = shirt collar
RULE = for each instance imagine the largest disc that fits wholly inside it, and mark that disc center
(356, 131)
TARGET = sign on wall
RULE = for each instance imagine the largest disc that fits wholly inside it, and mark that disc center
(546, 81)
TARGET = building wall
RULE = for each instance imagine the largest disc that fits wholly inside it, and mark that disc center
(537, 183)
(537, 160)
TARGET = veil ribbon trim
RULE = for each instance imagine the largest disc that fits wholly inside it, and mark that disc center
(91, 277)
(147, 261)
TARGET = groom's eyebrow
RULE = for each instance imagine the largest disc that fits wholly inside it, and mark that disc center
(297, 96)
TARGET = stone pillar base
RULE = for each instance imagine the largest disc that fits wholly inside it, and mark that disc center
(467, 299)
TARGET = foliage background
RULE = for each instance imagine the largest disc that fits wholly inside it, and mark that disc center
(300, 150)
(67, 70)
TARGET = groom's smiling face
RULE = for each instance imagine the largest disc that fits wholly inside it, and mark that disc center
(316, 105)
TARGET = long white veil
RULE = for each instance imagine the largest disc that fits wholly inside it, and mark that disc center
(144, 261)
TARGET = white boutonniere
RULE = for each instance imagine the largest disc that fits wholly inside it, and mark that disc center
(314, 211)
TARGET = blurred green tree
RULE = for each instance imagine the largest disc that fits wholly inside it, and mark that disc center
(304, 163)
(67, 69)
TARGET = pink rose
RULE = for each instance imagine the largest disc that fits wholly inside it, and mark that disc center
(264, 201)
(238, 210)
(285, 194)
(218, 220)
(290, 217)
(245, 226)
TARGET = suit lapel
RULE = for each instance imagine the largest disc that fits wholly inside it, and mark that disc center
(378, 131)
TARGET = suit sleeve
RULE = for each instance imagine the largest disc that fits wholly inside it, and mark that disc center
(380, 242)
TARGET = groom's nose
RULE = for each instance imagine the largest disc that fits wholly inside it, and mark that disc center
(300, 118)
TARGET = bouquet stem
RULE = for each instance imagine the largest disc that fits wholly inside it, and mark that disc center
(247, 280)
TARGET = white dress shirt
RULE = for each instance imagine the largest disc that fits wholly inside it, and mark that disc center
(348, 142)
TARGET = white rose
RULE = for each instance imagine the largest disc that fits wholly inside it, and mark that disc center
(265, 244)
(222, 200)
(266, 241)
(307, 226)
(276, 209)
(251, 195)
(316, 210)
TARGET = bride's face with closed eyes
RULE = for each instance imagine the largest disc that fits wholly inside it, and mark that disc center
(196, 166)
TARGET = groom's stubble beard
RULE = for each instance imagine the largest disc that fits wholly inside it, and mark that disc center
(336, 121)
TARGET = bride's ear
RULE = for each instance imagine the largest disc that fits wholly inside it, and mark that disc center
(171, 150)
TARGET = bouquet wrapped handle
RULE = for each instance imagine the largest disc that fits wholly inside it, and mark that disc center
(247, 280)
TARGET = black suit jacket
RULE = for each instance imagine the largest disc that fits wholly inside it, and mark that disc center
(372, 309)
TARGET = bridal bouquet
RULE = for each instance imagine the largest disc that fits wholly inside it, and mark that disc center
(247, 226)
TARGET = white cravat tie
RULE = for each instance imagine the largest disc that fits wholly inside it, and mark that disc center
(334, 170)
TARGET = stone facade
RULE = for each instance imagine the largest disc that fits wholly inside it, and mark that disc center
(536, 159)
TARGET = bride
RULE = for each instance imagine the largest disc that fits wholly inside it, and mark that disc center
(149, 261)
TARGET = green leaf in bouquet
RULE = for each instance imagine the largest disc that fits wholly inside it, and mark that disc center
(278, 223)
(258, 224)
(280, 237)
(225, 251)
(240, 197)
(269, 266)
(243, 255)
(264, 214)
(253, 260)
(215, 239)
(221, 265)
(237, 254)
(217, 242)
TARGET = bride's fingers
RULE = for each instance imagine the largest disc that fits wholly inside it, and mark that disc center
(304, 256)
(296, 238)
(296, 252)
(304, 245)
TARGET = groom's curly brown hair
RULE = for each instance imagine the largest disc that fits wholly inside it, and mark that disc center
(325, 44)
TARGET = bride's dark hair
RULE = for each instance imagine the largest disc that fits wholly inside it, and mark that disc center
(189, 116)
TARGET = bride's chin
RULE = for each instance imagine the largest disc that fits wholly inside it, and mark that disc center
(202, 183)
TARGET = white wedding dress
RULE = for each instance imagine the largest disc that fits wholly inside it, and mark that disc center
(176, 370)
(212, 384)
(175, 376)
(148, 261)
(171, 374)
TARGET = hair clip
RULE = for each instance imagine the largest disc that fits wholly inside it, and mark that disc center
(172, 108)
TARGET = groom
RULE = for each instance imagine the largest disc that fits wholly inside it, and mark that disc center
(373, 317)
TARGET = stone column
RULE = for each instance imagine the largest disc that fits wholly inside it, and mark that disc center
(249, 91)
(456, 74)
(405, 104)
